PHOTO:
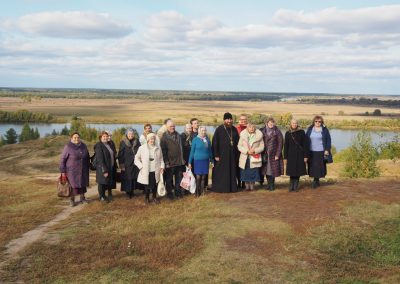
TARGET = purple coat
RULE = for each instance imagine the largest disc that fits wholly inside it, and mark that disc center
(75, 163)
(273, 147)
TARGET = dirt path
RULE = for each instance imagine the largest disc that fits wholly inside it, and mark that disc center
(41, 231)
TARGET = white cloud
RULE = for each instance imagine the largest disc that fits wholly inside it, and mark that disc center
(74, 24)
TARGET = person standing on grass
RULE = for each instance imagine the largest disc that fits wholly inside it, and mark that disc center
(200, 156)
(105, 164)
(240, 127)
(225, 151)
(251, 145)
(273, 141)
(74, 167)
(187, 138)
(126, 156)
(147, 129)
(296, 154)
(149, 160)
(171, 146)
(320, 147)
(163, 128)
(114, 148)
(194, 122)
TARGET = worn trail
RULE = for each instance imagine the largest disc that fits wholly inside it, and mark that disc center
(40, 232)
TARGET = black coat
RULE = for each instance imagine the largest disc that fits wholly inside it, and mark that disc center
(171, 146)
(186, 146)
(126, 158)
(296, 149)
(224, 171)
(104, 165)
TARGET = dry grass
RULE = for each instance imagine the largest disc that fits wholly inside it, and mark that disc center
(144, 111)
(25, 203)
(240, 238)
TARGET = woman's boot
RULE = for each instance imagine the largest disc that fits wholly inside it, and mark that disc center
(291, 184)
(296, 185)
(272, 184)
(72, 200)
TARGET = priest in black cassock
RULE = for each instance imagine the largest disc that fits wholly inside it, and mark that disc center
(226, 155)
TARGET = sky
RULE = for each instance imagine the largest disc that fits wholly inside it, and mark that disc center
(342, 47)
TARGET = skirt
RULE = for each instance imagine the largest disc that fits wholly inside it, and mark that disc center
(316, 165)
(201, 167)
(77, 191)
(249, 174)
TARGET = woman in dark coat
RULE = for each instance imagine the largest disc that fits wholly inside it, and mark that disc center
(296, 154)
(114, 148)
(126, 157)
(105, 163)
(273, 141)
(74, 166)
(320, 146)
(187, 138)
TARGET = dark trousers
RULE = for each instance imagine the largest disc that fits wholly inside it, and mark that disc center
(173, 176)
(152, 186)
(102, 190)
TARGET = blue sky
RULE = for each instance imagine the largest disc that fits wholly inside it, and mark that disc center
(278, 46)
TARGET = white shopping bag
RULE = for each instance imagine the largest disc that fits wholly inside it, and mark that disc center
(161, 187)
(192, 187)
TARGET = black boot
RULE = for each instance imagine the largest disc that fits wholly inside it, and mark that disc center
(291, 184)
(315, 183)
(268, 183)
(296, 185)
(272, 184)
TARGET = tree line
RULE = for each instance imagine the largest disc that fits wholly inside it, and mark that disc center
(25, 116)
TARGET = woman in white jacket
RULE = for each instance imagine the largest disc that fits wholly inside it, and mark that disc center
(251, 145)
(149, 160)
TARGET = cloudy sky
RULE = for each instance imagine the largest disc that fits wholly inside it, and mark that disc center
(281, 46)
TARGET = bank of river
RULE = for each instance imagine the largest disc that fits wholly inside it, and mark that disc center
(341, 138)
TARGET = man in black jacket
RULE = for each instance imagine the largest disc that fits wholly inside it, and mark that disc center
(171, 146)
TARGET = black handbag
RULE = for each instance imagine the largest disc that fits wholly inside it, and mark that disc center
(328, 158)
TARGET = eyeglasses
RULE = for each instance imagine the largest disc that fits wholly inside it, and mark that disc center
(318, 121)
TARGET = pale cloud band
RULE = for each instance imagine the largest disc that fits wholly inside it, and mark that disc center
(75, 24)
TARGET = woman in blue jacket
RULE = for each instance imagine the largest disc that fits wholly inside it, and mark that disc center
(200, 158)
(320, 149)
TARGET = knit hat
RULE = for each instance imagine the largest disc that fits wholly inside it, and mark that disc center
(227, 115)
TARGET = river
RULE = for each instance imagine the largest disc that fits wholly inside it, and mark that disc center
(340, 138)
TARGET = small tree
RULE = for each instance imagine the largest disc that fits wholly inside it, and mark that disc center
(2, 141)
(11, 136)
(25, 133)
(391, 150)
(377, 112)
(64, 131)
(362, 158)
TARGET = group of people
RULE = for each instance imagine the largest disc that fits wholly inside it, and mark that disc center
(239, 156)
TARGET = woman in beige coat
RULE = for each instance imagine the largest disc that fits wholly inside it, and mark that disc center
(251, 145)
(149, 160)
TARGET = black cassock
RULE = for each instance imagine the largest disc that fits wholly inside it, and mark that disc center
(224, 171)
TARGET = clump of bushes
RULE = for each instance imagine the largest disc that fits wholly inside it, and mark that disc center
(361, 159)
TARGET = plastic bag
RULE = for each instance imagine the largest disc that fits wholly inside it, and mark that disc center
(192, 187)
(185, 182)
(161, 186)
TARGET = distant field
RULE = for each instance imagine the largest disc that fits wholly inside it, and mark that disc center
(142, 111)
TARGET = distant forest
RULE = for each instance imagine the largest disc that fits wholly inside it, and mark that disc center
(37, 93)
(29, 94)
(353, 101)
